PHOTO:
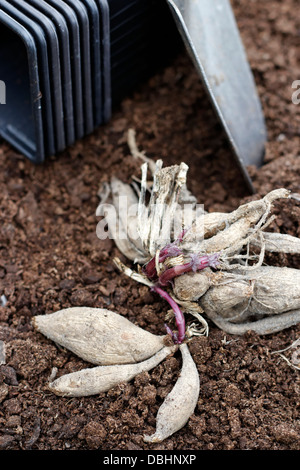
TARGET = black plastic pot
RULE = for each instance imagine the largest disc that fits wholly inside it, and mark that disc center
(66, 63)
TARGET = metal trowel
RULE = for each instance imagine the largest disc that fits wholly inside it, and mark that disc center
(212, 38)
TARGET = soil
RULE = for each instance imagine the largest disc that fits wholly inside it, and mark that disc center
(51, 258)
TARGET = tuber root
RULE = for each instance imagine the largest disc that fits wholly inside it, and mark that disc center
(180, 404)
(99, 336)
(99, 379)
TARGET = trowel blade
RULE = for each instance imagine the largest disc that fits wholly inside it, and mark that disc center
(212, 38)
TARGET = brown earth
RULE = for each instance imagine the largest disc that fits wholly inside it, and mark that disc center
(51, 258)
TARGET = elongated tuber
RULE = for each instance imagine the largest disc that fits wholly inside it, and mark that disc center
(99, 336)
(180, 404)
(99, 379)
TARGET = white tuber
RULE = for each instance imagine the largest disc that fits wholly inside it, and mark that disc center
(99, 336)
(180, 404)
(99, 379)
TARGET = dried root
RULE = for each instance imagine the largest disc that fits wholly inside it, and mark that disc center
(294, 361)
(180, 404)
(139, 230)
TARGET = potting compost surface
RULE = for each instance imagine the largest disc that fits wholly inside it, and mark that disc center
(51, 258)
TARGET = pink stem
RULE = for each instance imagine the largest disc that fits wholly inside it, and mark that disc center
(150, 270)
(175, 271)
(179, 317)
(168, 251)
(197, 263)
